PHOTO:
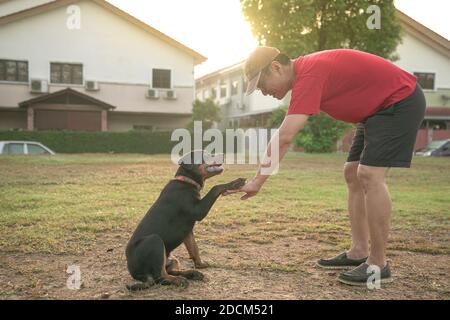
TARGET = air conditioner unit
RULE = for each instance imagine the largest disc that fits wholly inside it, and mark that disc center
(170, 95)
(38, 86)
(152, 94)
(91, 85)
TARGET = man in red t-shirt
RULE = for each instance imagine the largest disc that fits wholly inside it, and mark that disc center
(357, 87)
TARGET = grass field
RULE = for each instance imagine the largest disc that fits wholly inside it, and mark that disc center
(81, 209)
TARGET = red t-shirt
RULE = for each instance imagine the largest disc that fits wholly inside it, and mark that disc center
(349, 85)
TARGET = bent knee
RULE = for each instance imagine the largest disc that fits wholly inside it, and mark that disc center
(350, 173)
(369, 176)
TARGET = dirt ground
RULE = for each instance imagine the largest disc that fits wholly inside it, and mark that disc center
(233, 274)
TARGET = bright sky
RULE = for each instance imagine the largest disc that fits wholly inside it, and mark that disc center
(218, 30)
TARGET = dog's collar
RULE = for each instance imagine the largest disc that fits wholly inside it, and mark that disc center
(188, 180)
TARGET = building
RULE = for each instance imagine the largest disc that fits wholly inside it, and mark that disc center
(422, 52)
(87, 65)
(227, 87)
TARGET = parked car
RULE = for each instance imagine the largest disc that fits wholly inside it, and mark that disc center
(437, 148)
(23, 147)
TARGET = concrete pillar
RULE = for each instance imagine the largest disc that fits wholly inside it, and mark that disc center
(104, 120)
(429, 135)
(30, 119)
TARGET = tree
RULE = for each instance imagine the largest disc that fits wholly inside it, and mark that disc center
(319, 134)
(278, 116)
(299, 27)
(206, 111)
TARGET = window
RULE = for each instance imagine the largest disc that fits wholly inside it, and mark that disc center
(14, 148)
(11, 70)
(35, 149)
(66, 73)
(223, 89)
(234, 88)
(161, 79)
(426, 80)
(213, 93)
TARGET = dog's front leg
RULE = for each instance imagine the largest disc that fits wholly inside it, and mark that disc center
(194, 254)
(202, 208)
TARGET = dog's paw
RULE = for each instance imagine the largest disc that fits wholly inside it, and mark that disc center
(193, 275)
(177, 281)
(139, 286)
(201, 265)
(236, 184)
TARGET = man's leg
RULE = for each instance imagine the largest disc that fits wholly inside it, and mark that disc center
(356, 209)
(378, 210)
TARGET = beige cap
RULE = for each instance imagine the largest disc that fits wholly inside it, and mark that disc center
(260, 58)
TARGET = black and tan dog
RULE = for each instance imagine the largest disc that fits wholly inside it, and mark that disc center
(170, 222)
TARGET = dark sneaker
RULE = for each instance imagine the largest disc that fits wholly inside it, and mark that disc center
(340, 262)
(361, 276)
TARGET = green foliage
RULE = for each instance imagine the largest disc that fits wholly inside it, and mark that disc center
(206, 111)
(278, 116)
(299, 27)
(93, 142)
(320, 133)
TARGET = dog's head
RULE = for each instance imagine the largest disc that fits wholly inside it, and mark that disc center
(200, 165)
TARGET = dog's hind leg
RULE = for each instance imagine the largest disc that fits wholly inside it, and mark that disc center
(148, 264)
(173, 268)
(167, 278)
(172, 264)
(138, 286)
(189, 274)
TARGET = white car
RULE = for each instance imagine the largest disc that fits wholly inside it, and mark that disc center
(23, 147)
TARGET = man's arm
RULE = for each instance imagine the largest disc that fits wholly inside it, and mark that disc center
(284, 136)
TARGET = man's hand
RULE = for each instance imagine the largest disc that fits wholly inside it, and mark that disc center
(251, 188)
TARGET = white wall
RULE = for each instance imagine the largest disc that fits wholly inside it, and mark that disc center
(257, 102)
(416, 56)
(110, 48)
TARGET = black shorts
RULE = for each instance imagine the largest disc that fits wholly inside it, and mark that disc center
(387, 138)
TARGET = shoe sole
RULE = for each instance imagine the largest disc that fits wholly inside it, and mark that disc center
(334, 267)
(364, 284)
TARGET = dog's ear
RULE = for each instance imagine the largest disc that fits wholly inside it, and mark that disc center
(187, 162)
(191, 160)
(189, 167)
